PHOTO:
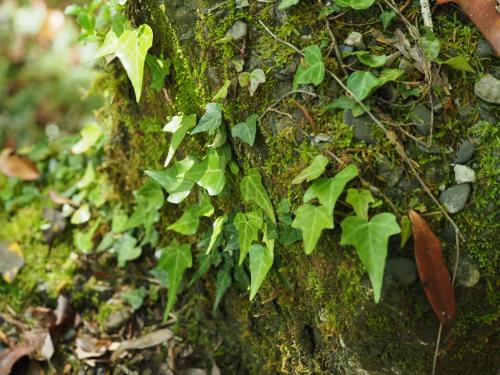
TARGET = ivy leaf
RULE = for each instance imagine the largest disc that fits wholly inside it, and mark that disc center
(355, 4)
(252, 190)
(406, 229)
(159, 69)
(150, 196)
(312, 68)
(246, 130)
(135, 297)
(328, 190)
(223, 283)
(188, 223)
(362, 84)
(284, 4)
(345, 102)
(178, 126)
(388, 75)
(214, 179)
(90, 135)
(386, 18)
(257, 77)
(459, 63)
(289, 235)
(373, 61)
(126, 249)
(218, 225)
(311, 220)
(108, 46)
(222, 93)
(248, 226)
(174, 260)
(131, 50)
(430, 46)
(261, 260)
(360, 200)
(173, 180)
(313, 171)
(211, 120)
(370, 238)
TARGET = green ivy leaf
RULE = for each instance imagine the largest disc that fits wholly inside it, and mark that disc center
(188, 223)
(213, 179)
(222, 93)
(248, 226)
(313, 171)
(459, 63)
(360, 200)
(252, 190)
(312, 68)
(126, 248)
(149, 196)
(257, 77)
(386, 17)
(406, 229)
(90, 135)
(131, 49)
(373, 61)
(174, 260)
(311, 220)
(355, 4)
(218, 225)
(178, 126)
(211, 120)
(159, 69)
(430, 46)
(328, 190)
(362, 84)
(370, 238)
(345, 102)
(284, 4)
(246, 130)
(135, 297)
(261, 260)
(388, 75)
(223, 283)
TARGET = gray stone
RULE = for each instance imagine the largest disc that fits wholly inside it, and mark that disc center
(402, 269)
(465, 152)
(455, 198)
(467, 274)
(488, 89)
(355, 39)
(344, 48)
(422, 119)
(362, 127)
(237, 31)
(464, 174)
(389, 172)
(116, 320)
(484, 49)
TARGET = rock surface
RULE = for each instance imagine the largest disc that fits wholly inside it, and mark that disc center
(455, 198)
(464, 174)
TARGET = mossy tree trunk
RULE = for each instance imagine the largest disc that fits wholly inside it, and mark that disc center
(314, 314)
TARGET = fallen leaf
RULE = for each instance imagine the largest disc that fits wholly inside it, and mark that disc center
(484, 15)
(60, 200)
(13, 165)
(39, 339)
(90, 347)
(9, 357)
(11, 260)
(143, 342)
(432, 270)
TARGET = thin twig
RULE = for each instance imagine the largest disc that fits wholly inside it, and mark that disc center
(436, 351)
(283, 97)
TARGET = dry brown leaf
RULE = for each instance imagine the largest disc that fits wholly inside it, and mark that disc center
(13, 165)
(432, 270)
(60, 200)
(485, 16)
(9, 357)
(143, 342)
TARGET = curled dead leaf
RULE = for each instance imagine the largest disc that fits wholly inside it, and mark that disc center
(484, 15)
(13, 165)
(432, 270)
(143, 342)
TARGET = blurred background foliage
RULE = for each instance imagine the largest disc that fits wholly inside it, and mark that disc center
(45, 75)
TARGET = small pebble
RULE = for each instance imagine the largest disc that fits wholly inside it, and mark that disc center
(484, 49)
(467, 274)
(403, 269)
(422, 119)
(355, 39)
(455, 198)
(488, 89)
(464, 174)
(465, 152)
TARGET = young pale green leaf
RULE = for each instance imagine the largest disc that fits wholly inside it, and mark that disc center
(174, 260)
(214, 179)
(328, 190)
(81, 215)
(312, 68)
(362, 84)
(261, 260)
(313, 171)
(252, 190)
(88, 177)
(90, 135)
(108, 47)
(150, 196)
(386, 18)
(246, 130)
(135, 297)
(131, 50)
(218, 225)
(459, 63)
(430, 46)
(311, 220)
(211, 120)
(345, 102)
(406, 229)
(223, 283)
(83, 240)
(388, 75)
(179, 126)
(284, 4)
(360, 200)
(257, 77)
(373, 61)
(126, 249)
(244, 79)
(222, 93)
(355, 4)
(370, 238)
(188, 223)
(248, 226)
